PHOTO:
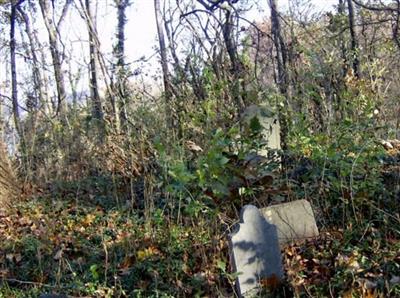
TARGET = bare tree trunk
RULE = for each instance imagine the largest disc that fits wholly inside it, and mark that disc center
(341, 11)
(282, 78)
(164, 63)
(45, 100)
(396, 26)
(121, 72)
(55, 55)
(94, 88)
(280, 47)
(354, 41)
(1, 123)
(37, 76)
(37, 96)
(342, 44)
(14, 87)
(237, 72)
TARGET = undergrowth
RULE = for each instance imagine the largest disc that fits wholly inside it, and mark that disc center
(89, 237)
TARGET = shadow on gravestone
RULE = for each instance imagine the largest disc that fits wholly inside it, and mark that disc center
(255, 252)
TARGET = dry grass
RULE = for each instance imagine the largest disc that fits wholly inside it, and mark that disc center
(8, 181)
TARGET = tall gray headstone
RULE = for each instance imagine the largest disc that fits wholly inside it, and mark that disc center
(270, 123)
(255, 251)
(294, 220)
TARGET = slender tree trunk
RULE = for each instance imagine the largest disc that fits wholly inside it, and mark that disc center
(94, 88)
(46, 101)
(282, 78)
(37, 76)
(14, 87)
(55, 55)
(73, 82)
(341, 11)
(396, 26)
(121, 72)
(342, 44)
(164, 64)
(120, 49)
(354, 40)
(280, 47)
(237, 72)
(41, 56)
(1, 123)
(38, 95)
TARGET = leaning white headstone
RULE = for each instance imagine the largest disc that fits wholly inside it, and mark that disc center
(255, 251)
(294, 220)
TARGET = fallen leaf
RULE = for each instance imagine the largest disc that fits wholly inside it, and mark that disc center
(89, 219)
(192, 146)
(18, 258)
(271, 282)
(4, 273)
(58, 255)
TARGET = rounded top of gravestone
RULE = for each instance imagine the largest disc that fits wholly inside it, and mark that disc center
(249, 212)
(257, 111)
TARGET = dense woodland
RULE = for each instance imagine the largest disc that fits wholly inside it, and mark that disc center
(115, 183)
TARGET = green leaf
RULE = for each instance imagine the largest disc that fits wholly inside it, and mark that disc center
(221, 265)
(93, 270)
(255, 125)
(223, 160)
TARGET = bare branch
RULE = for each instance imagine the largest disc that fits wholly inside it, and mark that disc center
(374, 8)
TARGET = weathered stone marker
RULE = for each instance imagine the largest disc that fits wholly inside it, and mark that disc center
(254, 246)
(294, 220)
(255, 251)
(270, 123)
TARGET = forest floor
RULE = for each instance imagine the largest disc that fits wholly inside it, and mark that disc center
(78, 246)
(61, 247)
